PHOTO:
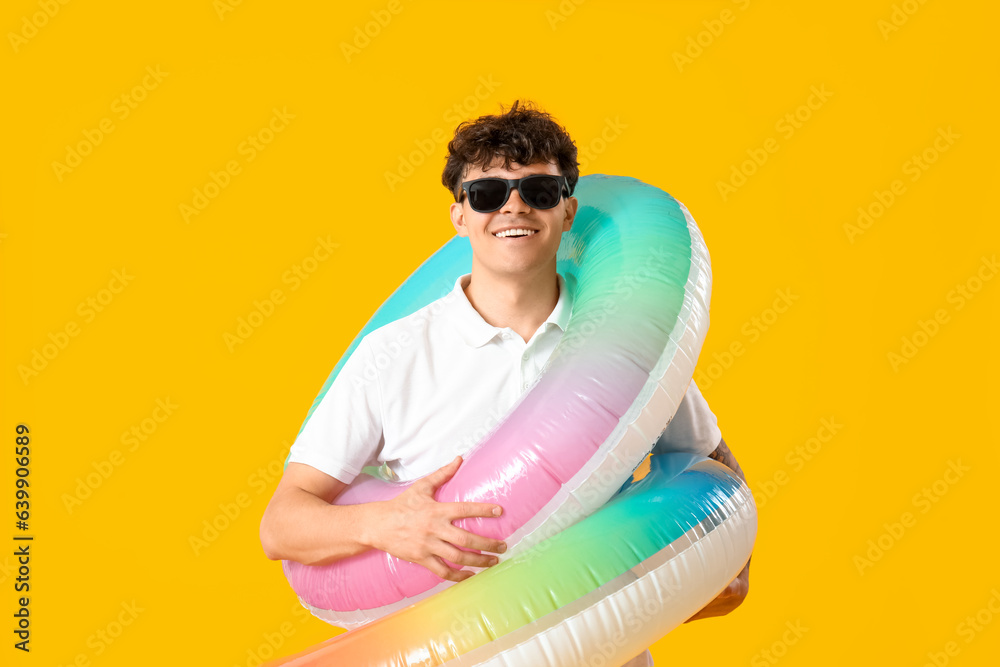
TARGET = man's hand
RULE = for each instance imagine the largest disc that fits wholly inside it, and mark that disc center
(732, 596)
(729, 599)
(417, 528)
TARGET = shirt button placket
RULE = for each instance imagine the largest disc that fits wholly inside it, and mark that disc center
(524, 369)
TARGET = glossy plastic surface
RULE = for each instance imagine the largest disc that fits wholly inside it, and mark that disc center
(639, 272)
(608, 586)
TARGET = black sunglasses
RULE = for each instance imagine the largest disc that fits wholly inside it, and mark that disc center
(537, 191)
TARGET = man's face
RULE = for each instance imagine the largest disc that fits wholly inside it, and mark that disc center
(513, 255)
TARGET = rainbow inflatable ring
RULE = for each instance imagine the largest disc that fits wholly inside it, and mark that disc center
(601, 559)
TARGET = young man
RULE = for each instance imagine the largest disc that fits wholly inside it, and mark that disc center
(470, 356)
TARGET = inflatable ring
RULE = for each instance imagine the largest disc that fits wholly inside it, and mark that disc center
(606, 587)
(640, 277)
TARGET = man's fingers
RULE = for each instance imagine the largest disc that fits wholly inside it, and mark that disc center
(470, 558)
(438, 567)
(441, 475)
(476, 509)
(469, 540)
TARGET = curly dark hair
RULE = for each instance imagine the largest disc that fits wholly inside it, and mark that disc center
(523, 134)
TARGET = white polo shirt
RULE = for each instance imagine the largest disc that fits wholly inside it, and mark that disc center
(421, 390)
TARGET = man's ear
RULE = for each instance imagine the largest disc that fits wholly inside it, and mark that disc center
(571, 205)
(457, 212)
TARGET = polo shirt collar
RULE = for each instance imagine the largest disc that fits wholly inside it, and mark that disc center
(476, 331)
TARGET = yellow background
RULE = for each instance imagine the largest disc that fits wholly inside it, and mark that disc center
(682, 127)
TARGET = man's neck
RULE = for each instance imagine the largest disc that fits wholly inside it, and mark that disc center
(522, 302)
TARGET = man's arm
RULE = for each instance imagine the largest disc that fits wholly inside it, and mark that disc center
(302, 525)
(734, 594)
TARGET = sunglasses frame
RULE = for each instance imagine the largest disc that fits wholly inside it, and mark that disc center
(513, 183)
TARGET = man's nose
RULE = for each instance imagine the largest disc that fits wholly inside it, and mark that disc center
(514, 203)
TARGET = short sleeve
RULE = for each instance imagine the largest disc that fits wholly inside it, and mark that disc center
(694, 427)
(344, 432)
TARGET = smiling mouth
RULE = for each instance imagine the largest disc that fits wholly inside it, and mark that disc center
(509, 233)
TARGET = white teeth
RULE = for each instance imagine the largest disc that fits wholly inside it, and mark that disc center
(515, 232)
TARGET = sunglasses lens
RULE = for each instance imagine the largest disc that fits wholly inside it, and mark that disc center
(541, 191)
(487, 195)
